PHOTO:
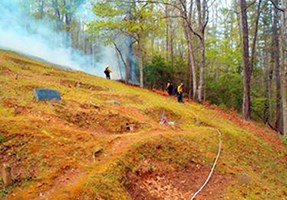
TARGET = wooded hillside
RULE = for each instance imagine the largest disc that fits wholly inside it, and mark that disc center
(229, 53)
(103, 140)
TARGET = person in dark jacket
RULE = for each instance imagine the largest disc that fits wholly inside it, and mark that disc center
(169, 88)
(107, 72)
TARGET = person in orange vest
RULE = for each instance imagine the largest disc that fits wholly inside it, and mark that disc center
(179, 93)
(107, 72)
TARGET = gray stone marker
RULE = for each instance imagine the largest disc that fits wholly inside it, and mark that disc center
(42, 94)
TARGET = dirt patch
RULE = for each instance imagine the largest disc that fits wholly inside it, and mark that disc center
(78, 84)
(66, 176)
(156, 113)
(110, 122)
(5, 71)
(155, 180)
(28, 88)
(90, 106)
(9, 102)
(136, 113)
(100, 119)
(61, 74)
(18, 109)
(22, 62)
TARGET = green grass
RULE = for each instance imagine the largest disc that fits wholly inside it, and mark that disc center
(2, 137)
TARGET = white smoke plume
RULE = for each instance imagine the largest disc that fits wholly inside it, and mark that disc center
(21, 33)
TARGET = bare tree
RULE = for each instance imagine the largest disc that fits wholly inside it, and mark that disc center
(283, 65)
(276, 64)
(186, 13)
(245, 58)
(253, 49)
(202, 10)
(186, 9)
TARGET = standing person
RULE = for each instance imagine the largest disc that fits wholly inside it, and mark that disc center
(107, 72)
(179, 93)
(169, 88)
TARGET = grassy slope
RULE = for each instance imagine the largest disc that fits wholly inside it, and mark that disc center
(49, 144)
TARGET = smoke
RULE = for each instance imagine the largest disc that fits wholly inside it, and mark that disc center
(21, 33)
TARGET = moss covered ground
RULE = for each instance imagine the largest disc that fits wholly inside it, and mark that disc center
(82, 147)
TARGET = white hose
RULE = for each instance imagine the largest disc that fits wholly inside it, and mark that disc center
(213, 166)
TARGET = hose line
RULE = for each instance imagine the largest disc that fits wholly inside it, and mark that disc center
(213, 166)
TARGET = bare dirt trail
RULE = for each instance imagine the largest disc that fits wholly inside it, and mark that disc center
(117, 146)
(178, 185)
(160, 186)
(164, 185)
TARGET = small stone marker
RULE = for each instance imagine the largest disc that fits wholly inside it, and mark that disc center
(6, 175)
(46, 94)
(114, 102)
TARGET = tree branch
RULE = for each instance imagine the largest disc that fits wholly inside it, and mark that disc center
(276, 6)
(120, 53)
(253, 49)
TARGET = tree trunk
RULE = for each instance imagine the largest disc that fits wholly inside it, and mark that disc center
(186, 16)
(192, 65)
(283, 66)
(245, 56)
(171, 43)
(167, 31)
(121, 58)
(68, 20)
(57, 13)
(253, 50)
(283, 94)
(202, 22)
(140, 61)
(202, 65)
(41, 7)
(269, 78)
(276, 50)
(128, 70)
(169, 11)
(190, 90)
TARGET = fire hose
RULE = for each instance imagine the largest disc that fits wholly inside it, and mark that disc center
(213, 166)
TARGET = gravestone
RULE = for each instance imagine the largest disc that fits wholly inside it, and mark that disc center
(114, 102)
(42, 94)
